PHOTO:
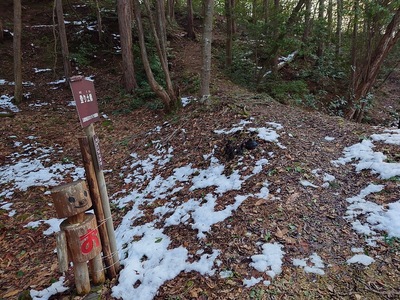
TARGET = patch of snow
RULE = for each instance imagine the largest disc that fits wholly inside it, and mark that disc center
(361, 259)
(371, 160)
(251, 282)
(307, 183)
(314, 260)
(6, 103)
(270, 261)
(55, 288)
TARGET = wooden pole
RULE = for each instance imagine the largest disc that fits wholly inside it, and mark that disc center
(89, 130)
(63, 39)
(97, 205)
(62, 252)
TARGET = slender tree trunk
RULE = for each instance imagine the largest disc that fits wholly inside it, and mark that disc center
(190, 27)
(353, 54)
(125, 29)
(155, 86)
(307, 22)
(206, 51)
(254, 11)
(339, 12)
(160, 39)
(276, 34)
(99, 21)
(234, 27)
(229, 33)
(17, 51)
(330, 21)
(63, 39)
(368, 74)
(171, 10)
(266, 11)
(321, 31)
(1, 31)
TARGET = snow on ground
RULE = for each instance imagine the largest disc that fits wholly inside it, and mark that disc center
(146, 252)
(6, 103)
(316, 262)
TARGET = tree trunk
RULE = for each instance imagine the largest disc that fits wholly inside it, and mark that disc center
(266, 11)
(229, 33)
(254, 11)
(99, 21)
(17, 51)
(307, 22)
(330, 20)
(171, 10)
(1, 31)
(155, 86)
(321, 31)
(63, 39)
(369, 73)
(353, 53)
(206, 51)
(125, 29)
(190, 27)
(160, 39)
(276, 34)
(339, 12)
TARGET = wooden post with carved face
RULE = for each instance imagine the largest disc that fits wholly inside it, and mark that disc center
(79, 231)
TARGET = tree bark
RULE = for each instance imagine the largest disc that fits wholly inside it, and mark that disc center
(160, 39)
(266, 11)
(321, 31)
(1, 31)
(307, 22)
(190, 27)
(155, 86)
(171, 10)
(125, 29)
(99, 21)
(63, 39)
(368, 73)
(353, 53)
(330, 20)
(206, 51)
(17, 51)
(339, 13)
(229, 32)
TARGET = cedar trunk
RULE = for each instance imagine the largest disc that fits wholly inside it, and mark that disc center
(190, 27)
(17, 52)
(124, 21)
(229, 32)
(206, 51)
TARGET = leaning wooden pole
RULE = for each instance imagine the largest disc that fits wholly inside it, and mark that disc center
(63, 39)
(97, 205)
(89, 130)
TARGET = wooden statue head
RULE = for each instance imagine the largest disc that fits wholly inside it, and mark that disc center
(71, 199)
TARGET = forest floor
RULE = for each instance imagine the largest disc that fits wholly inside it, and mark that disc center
(304, 219)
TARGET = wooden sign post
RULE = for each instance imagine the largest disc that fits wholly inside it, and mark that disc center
(86, 104)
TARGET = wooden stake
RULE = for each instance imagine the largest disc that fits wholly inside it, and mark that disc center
(97, 205)
(62, 252)
(89, 130)
(82, 281)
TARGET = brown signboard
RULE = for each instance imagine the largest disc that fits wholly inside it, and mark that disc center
(85, 100)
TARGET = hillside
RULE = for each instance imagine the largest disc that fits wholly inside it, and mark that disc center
(310, 212)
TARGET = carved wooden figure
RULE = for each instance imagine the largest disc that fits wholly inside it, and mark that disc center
(78, 234)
